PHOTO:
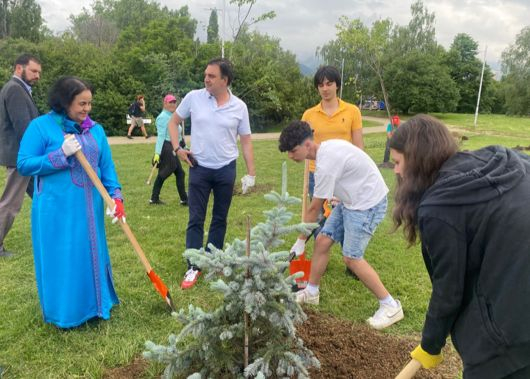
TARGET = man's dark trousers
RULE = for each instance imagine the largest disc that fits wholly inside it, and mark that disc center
(203, 181)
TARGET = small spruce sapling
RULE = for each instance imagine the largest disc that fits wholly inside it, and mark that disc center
(211, 344)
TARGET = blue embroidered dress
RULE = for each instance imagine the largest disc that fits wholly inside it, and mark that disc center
(72, 263)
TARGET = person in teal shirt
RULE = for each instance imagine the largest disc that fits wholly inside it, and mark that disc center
(164, 158)
(390, 129)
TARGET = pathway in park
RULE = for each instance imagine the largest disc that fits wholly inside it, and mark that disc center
(255, 136)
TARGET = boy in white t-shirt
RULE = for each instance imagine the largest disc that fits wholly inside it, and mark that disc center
(343, 172)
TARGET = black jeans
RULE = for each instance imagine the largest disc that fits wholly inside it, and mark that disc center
(386, 158)
(202, 182)
(169, 164)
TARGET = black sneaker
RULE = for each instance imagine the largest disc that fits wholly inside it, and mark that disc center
(147, 136)
(184, 203)
(130, 137)
(156, 202)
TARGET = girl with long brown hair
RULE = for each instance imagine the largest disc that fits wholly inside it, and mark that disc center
(471, 212)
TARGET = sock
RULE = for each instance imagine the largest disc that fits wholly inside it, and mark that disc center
(312, 289)
(389, 300)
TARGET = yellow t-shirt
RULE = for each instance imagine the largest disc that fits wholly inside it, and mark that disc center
(339, 125)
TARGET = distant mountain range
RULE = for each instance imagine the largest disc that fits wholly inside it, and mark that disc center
(309, 65)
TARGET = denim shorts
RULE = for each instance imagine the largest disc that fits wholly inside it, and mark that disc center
(354, 229)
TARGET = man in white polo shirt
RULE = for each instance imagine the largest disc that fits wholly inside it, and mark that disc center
(217, 118)
(350, 177)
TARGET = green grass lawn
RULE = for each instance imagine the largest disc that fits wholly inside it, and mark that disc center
(488, 124)
(32, 349)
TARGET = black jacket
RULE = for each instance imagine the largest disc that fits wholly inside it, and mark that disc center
(474, 225)
(17, 109)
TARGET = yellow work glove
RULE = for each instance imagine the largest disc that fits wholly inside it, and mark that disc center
(427, 360)
(156, 160)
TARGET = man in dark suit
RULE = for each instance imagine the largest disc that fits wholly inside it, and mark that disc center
(17, 109)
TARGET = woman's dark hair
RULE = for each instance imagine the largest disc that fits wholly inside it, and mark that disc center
(327, 72)
(426, 144)
(63, 92)
(226, 68)
(294, 134)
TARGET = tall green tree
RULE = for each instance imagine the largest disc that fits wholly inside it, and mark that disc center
(268, 79)
(95, 25)
(516, 74)
(21, 19)
(418, 35)
(369, 46)
(421, 82)
(465, 69)
(212, 33)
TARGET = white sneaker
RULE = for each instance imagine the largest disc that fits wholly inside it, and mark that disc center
(386, 316)
(304, 297)
(190, 278)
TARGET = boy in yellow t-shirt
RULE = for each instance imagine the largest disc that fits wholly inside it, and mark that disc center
(332, 118)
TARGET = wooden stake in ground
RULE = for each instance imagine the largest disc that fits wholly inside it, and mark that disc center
(409, 370)
(157, 282)
(302, 264)
(247, 325)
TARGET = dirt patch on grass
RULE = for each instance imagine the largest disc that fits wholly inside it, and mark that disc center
(135, 370)
(345, 350)
(352, 351)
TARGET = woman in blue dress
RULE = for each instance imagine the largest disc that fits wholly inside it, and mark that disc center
(72, 263)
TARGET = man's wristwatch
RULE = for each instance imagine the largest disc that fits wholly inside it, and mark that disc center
(176, 150)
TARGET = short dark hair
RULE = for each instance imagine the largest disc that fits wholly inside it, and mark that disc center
(63, 92)
(327, 72)
(226, 68)
(294, 134)
(24, 59)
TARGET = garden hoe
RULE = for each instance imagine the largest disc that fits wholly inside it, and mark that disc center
(409, 370)
(157, 282)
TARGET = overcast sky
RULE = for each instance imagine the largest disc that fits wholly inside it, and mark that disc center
(303, 25)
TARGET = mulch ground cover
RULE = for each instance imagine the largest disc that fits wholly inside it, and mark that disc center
(345, 350)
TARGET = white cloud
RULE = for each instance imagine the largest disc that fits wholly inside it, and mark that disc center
(303, 25)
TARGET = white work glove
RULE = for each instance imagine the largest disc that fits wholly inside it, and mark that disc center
(70, 146)
(117, 212)
(298, 247)
(247, 182)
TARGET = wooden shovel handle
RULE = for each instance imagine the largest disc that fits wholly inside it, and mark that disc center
(409, 370)
(305, 190)
(110, 204)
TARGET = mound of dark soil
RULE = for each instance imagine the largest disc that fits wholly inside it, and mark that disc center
(345, 351)
(352, 351)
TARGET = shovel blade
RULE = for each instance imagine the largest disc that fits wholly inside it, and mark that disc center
(301, 265)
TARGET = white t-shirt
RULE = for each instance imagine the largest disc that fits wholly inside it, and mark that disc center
(214, 129)
(346, 172)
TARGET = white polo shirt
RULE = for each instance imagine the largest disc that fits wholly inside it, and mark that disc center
(348, 173)
(214, 129)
